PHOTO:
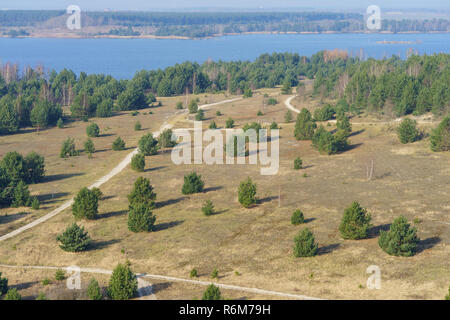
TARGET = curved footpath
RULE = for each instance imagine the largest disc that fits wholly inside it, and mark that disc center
(145, 289)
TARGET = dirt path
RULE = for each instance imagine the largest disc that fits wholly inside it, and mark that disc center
(116, 170)
(145, 289)
(419, 120)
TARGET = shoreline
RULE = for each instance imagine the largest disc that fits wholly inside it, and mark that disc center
(173, 37)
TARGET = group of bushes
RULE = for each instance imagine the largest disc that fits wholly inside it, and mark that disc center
(16, 172)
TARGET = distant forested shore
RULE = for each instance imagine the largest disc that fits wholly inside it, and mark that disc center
(15, 23)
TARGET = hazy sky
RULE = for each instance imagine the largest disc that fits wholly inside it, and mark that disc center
(250, 4)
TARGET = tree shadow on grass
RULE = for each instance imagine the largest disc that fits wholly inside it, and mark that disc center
(106, 135)
(49, 198)
(62, 176)
(375, 231)
(12, 217)
(266, 199)
(24, 285)
(351, 147)
(97, 245)
(169, 202)
(160, 286)
(155, 168)
(309, 220)
(427, 244)
(210, 189)
(355, 133)
(328, 249)
(112, 214)
(167, 225)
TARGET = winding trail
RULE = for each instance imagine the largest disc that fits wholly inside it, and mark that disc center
(116, 170)
(145, 289)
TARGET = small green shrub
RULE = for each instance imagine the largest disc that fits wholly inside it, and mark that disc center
(13, 294)
(41, 296)
(68, 148)
(247, 193)
(118, 144)
(74, 239)
(304, 244)
(213, 125)
(208, 208)
(89, 147)
(93, 291)
(260, 113)
(192, 184)
(165, 139)
(179, 105)
(60, 123)
(297, 217)
(272, 102)
(138, 162)
(46, 282)
(193, 273)
(137, 126)
(200, 116)
(60, 275)
(229, 123)
(35, 204)
(215, 274)
(93, 130)
(298, 163)
(212, 293)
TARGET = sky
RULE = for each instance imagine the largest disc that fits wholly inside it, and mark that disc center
(158, 5)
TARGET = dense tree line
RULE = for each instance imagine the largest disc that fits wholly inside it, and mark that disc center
(392, 86)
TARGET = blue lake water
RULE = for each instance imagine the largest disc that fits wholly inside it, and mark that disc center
(123, 57)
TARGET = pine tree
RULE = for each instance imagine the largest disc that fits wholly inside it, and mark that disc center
(297, 217)
(85, 204)
(21, 195)
(74, 239)
(165, 139)
(123, 283)
(93, 130)
(212, 293)
(148, 145)
(138, 162)
(304, 245)
(89, 147)
(247, 193)
(355, 222)
(118, 144)
(208, 208)
(93, 290)
(304, 126)
(440, 137)
(407, 131)
(140, 218)
(142, 193)
(192, 183)
(288, 116)
(68, 148)
(400, 240)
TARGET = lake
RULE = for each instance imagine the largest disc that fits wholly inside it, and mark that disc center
(121, 58)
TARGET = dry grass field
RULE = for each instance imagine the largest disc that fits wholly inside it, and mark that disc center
(250, 247)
